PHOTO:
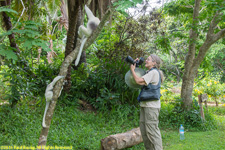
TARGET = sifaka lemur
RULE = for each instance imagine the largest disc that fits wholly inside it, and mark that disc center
(49, 95)
(84, 32)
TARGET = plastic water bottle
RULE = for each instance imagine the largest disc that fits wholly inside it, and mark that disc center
(181, 130)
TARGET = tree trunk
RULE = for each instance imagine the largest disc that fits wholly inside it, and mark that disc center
(63, 72)
(188, 82)
(122, 140)
(8, 26)
(192, 63)
(80, 21)
(72, 35)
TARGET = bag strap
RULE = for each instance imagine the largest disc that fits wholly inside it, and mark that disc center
(159, 76)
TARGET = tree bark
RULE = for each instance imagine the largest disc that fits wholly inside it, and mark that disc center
(71, 42)
(63, 72)
(80, 21)
(8, 26)
(122, 140)
(186, 92)
(192, 63)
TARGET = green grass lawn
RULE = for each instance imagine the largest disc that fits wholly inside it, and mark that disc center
(208, 140)
(84, 130)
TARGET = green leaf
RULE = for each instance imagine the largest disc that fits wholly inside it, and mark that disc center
(28, 44)
(32, 27)
(27, 32)
(4, 9)
(42, 44)
(125, 4)
(8, 52)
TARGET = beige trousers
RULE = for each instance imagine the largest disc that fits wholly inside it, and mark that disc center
(149, 128)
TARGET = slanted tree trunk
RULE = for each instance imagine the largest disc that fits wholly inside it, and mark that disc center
(122, 140)
(193, 61)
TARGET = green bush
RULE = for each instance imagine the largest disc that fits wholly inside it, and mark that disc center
(30, 80)
(44, 74)
(173, 115)
(104, 87)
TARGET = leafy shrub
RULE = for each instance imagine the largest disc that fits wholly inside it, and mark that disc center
(169, 91)
(212, 86)
(172, 115)
(104, 87)
(17, 78)
(27, 80)
(21, 73)
(44, 74)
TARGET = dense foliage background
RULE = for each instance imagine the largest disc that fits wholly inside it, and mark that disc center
(99, 82)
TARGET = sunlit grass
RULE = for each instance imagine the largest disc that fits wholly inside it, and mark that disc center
(209, 140)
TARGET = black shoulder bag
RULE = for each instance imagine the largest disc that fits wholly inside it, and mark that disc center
(150, 92)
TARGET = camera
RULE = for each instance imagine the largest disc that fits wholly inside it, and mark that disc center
(130, 60)
(129, 79)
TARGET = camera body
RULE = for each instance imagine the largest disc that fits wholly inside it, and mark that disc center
(130, 60)
(129, 79)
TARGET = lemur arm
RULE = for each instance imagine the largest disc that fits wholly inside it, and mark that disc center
(89, 12)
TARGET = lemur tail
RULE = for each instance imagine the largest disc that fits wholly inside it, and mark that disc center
(80, 51)
(46, 108)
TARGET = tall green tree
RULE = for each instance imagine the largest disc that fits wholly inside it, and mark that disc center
(206, 28)
(215, 31)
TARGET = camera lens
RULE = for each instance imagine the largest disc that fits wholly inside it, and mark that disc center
(129, 60)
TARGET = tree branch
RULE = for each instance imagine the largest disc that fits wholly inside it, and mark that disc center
(219, 34)
(20, 15)
(211, 38)
(216, 19)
